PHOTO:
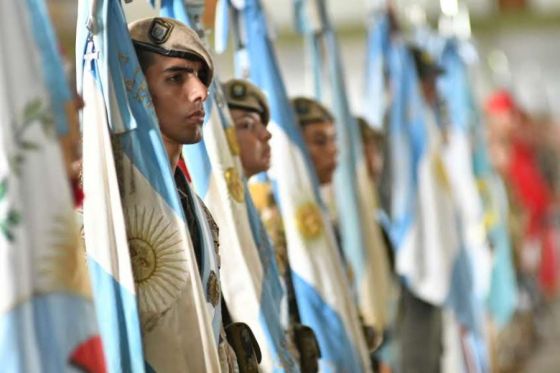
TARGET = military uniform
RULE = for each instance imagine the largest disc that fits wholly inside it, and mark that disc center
(168, 37)
(241, 94)
(310, 111)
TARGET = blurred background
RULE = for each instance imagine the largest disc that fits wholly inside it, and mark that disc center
(518, 42)
(518, 48)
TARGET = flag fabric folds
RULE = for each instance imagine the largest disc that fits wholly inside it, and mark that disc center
(47, 318)
(322, 291)
(422, 212)
(378, 42)
(166, 299)
(250, 278)
(362, 243)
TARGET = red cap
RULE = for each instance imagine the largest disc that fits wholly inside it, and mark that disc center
(499, 102)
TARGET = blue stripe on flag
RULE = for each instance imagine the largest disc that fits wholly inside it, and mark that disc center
(53, 72)
(265, 73)
(175, 9)
(336, 346)
(120, 330)
(38, 333)
(378, 40)
(405, 142)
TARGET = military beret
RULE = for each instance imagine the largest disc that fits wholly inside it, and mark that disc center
(241, 94)
(425, 65)
(308, 110)
(368, 132)
(169, 37)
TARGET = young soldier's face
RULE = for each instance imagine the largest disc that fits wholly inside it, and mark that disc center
(374, 159)
(178, 94)
(320, 138)
(253, 138)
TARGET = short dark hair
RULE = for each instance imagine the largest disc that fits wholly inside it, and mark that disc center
(145, 58)
(370, 133)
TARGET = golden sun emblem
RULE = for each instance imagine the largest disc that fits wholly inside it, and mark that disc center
(158, 258)
(231, 138)
(62, 265)
(234, 185)
(309, 221)
(440, 172)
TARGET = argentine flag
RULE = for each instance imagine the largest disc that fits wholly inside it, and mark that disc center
(250, 280)
(47, 316)
(470, 290)
(322, 290)
(127, 151)
(362, 242)
(471, 269)
(376, 103)
(424, 224)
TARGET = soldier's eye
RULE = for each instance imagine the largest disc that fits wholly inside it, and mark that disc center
(175, 78)
(247, 124)
(320, 141)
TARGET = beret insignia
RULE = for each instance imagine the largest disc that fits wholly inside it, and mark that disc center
(160, 30)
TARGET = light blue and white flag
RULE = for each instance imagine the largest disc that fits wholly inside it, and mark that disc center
(125, 152)
(376, 100)
(322, 290)
(47, 316)
(250, 279)
(362, 242)
(455, 87)
(422, 207)
(502, 295)
(471, 276)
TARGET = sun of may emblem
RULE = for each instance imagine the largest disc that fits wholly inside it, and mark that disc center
(440, 172)
(157, 256)
(231, 138)
(234, 185)
(309, 221)
(63, 264)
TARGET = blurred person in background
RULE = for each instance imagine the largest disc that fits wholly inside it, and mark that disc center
(419, 323)
(514, 142)
(319, 134)
(373, 140)
(250, 114)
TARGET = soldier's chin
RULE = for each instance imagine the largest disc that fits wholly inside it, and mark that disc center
(325, 178)
(193, 137)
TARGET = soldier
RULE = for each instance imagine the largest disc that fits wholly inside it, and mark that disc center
(178, 71)
(249, 111)
(374, 143)
(419, 323)
(319, 134)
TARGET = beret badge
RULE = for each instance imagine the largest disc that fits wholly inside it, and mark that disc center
(160, 30)
(238, 91)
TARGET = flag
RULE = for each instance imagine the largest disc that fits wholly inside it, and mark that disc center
(166, 298)
(362, 242)
(378, 41)
(422, 212)
(47, 317)
(322, 290)
(502, 294)
(472, 269)
(250, 279)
